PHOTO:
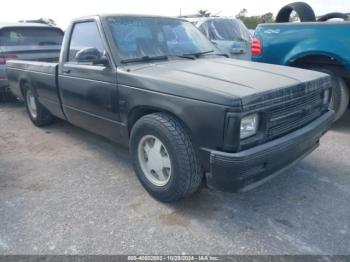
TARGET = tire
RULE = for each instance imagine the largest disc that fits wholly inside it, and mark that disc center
(42, 117)
(340, 92)
(329, 16)
(185, 176)
(304, 11)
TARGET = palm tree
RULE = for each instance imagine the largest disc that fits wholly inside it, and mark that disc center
(204, 13)
(47, 21)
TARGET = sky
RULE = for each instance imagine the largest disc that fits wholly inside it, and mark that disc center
(62, 11)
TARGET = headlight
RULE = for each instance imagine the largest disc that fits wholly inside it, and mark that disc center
(249, 125)
(326, 97)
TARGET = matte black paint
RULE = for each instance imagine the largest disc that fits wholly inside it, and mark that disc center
(201, 93)
(234, 171)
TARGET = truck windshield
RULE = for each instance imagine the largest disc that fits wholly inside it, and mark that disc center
(20, 36)
(137, 38)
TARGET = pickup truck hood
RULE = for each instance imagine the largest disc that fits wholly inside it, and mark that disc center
(221, 80)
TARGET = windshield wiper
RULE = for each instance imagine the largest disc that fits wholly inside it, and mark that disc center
(225, 55)
(186, 56)
(198, 54)
(203, 53)
(48, 43)
(144, 59)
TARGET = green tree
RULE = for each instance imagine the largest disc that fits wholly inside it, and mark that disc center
(252, 21)
(203, 13)
(267, 18)
(243, 13)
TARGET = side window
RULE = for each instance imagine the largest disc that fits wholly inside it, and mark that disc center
(205, 30)
(85, 35)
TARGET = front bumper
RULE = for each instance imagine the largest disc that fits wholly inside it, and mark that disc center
(242, 171)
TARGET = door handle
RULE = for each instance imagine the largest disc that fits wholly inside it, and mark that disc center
(66, 71)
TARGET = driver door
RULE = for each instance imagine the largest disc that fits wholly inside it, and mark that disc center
(89, 92)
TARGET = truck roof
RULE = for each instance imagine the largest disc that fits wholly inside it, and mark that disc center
(125, 15)
(206, 18)
(201, 20)
(4, 25)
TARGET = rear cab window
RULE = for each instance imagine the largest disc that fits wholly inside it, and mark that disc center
(24, 36)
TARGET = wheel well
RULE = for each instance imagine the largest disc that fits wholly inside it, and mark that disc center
(21, 86)
(322, 61)
(141, 111)
(137, 113)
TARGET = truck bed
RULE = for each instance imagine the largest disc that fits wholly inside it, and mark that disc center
(35, 66)
(43, 79)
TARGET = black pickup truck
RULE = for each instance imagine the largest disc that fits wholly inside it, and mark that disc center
(186, 111)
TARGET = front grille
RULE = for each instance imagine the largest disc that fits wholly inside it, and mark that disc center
(293, 115)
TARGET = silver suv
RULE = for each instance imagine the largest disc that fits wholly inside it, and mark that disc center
(27, 41)
(230, 35)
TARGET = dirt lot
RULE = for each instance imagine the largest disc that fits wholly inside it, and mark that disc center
(63, 190)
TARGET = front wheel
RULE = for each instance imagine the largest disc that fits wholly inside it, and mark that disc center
(164, 157)
(39, 115)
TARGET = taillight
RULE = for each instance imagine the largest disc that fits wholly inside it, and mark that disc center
(3, 58)
(256, 47)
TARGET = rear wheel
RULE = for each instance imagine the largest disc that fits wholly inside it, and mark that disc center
(164, 157)
(39, 115)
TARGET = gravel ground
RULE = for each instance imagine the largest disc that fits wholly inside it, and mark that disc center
(66, 191)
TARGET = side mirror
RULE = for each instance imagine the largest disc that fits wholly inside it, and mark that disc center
(91, 55)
